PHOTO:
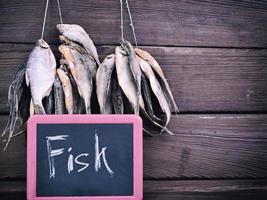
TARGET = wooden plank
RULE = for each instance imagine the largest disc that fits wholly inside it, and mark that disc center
(180, 23)
(202, 79)
(205, 146)
(189, 189)
(205, 189)
(13, 160)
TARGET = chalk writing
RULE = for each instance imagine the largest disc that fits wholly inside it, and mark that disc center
(99, 156)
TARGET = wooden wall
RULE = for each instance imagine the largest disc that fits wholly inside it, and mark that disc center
(214, 54)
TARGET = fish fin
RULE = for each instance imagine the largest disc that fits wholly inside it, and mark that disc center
(31, 108)
(163, 128)
(149, 133)
(166, 89)
(27, 79)
(22, 130)
(13, 99)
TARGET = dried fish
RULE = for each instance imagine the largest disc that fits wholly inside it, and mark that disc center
(40, 74)
(135, 78)
(117, 97)
(67, 88)
(48, 103)
(163, 81)
(134, 65)
(14, 95)
(24, 101)
(103, 84)
(80, 72)
(126, 79)
(146, 93)
(86, 57)
(77, 34)
(78, 102)
(59, 96)
(156, 88)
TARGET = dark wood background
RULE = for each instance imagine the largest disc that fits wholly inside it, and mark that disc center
(214, 54)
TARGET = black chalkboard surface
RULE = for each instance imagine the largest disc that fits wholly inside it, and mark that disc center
(84, 159)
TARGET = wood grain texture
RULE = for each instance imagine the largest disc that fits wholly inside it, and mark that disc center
(198, 190)
(225, 23)
(202, 79)
(205, 146)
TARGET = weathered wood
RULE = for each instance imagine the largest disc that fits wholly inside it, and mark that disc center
(13, 186)
(205, 146)
(179, 23)
(202, 79)
(205, 189)
(202, 186)
(201, 189)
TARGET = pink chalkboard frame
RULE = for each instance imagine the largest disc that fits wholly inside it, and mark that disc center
(79, 119)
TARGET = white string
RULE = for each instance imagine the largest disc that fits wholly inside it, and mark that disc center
(59, 12)
(122, 38)
(131, 22)
(46, 7)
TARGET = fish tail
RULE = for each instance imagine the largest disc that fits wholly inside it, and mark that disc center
(176, 109)
(163, 128)
(88, 110)
(169, 97)
(149, 133)
(39, 109)
(13, 101)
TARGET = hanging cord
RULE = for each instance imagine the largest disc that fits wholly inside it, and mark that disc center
(44, 20)
(131, 22)
(45, 15)
(122, 37)
(59, 12)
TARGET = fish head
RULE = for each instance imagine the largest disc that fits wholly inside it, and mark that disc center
(64, 28)
(41, 43)
(120, 50)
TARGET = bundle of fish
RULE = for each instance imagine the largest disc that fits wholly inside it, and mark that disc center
(126, 77)
(130, 74)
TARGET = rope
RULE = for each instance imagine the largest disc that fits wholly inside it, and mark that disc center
(122, 37)
(44, 20)
(131, 22)
(59, 12)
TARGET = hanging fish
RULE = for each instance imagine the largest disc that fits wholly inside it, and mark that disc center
(80, 72)
(40, 74)
(133, 63)
(67, 88)
(48, 103)
(59, 102)
(86, 57)
(135, 76)
(104, 84)
(163, 81)
(117, 96)
(126, 79)
(146, 93)
(156, 88)
(77, 34)
(14, 95)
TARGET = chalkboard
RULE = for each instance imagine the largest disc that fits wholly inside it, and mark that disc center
(84, 156)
